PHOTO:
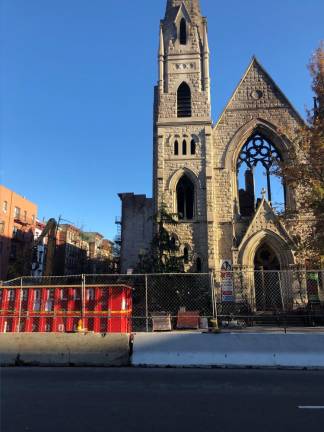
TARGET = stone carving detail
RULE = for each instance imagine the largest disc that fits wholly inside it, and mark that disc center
(185, 66)
(256, 94)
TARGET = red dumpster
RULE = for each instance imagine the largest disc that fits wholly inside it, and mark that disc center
(97, 308)
(108, 309)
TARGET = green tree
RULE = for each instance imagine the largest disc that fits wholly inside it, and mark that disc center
(163, 255)
(304, 170)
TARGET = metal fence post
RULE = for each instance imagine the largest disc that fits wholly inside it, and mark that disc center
(146, 304)
(20, 304)
(213, 297)
(83, 299)
(282, 301)
(281, 292)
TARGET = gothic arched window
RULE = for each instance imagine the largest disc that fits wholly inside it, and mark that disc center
(183, 32)
(193, 147)
(176, 148)
(254, 171)
(174, 242)
(184, 147)
(185, 198)
(184, 100)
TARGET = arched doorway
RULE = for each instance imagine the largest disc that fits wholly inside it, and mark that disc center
(268, 296)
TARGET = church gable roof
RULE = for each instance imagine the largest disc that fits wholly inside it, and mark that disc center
(257, 90)
(265, 219)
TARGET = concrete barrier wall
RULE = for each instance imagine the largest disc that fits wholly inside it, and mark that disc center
(164, 349)
(60, 349)
(229, 350)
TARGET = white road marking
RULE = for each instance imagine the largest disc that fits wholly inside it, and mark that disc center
(311, 407)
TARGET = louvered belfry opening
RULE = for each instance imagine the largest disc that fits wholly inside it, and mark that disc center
(184, 100)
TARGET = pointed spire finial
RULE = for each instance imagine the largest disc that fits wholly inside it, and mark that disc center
(161, 61)
(206, 45)
(161, 45)
(193, 6)
(263, 193)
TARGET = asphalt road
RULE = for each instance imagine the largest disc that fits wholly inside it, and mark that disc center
(156, 400)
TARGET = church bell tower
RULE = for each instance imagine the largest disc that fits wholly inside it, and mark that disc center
(182, 130)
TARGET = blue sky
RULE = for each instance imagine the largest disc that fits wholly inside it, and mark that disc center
(77, 81)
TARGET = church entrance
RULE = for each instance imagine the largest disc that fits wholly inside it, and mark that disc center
(267, 280)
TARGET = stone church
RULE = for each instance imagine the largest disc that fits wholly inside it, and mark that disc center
(207, 173)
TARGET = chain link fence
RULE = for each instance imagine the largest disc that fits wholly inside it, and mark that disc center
(160, 302)
(276, 298)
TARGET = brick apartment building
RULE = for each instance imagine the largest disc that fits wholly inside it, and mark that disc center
(17, 228)
(80, 252)
(21, 252)
(72, 251)
(39, 250)
(100, 253)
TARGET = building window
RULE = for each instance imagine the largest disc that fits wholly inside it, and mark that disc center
(174, 242)
(63, 294)
(25, 295)
(25, 215)
(176, 148)
(17, 212)
(50, 300)
(186, 255)
(193, 147)
(90, 294)
(185, 198)
(76, 294)
(184, 100)
(33, 219)
(14, 231)
(184, 147)
(40, 256)
(2, 227)
(37, 300)
(5, 206)
(183, 32)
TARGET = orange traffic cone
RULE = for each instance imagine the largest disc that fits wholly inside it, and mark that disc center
(80, 325)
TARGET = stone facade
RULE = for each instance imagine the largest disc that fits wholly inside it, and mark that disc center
(137, 229)
(217, 230)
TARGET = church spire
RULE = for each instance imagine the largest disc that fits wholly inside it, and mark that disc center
(193, 6)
